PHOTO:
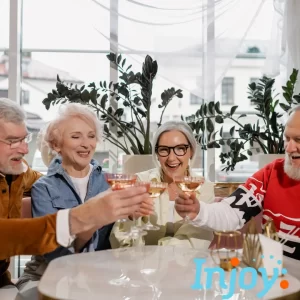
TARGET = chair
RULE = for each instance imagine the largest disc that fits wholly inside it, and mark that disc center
(26, 208)
(25, 213)
(224, 189)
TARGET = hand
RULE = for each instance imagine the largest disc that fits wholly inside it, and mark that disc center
(146, 208)
(106, 208)
(187, 204)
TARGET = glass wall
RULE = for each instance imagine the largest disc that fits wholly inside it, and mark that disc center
(4, 24)
(71, 38)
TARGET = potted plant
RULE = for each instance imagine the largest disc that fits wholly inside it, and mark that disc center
(132, 92)
(245, 139)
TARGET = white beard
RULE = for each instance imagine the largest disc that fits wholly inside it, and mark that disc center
(291, 171)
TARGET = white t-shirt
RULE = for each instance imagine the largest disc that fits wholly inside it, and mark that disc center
(81, 184)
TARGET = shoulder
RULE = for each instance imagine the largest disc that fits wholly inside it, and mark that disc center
(262, 177)
(46, 181)
(29, 174)
(275, 167)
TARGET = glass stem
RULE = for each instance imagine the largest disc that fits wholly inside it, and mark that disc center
(148, 220)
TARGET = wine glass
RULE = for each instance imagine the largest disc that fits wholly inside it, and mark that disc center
(226, 249)
(155, 190)
(119, 182)
(188, 184)
(136, 232)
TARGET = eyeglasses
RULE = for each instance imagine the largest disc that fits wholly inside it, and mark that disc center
(17, 143)
(179, 150)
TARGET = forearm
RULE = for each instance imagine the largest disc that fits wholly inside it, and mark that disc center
(218, 216)
(27, 236)
(83, 238)
(82, 219)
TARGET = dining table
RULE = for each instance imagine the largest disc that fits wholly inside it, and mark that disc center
(152, 272)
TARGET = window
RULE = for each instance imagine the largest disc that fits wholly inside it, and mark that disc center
(228, 90)
(226, 147)
(195, 99)
(3, 93)
(256, 80)
(4, 23)
(25, 97)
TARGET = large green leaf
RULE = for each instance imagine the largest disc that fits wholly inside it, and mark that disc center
(210, 125)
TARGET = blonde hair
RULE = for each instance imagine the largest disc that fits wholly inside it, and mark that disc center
(52, 134)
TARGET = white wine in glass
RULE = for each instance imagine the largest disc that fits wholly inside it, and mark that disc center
(189, 184)
(155, 190)
(120, 181)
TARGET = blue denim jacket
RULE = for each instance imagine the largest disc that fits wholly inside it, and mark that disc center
(56, 191)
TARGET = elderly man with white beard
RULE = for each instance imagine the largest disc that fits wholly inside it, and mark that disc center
(274, 190)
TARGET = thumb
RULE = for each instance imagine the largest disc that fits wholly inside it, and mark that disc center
(193, 196)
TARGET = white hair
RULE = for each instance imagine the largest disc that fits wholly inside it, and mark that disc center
(52, 132)
(292, 171)
(181, 126)
(293, 109)
(10, 111)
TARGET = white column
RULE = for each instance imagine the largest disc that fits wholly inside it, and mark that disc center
(14, 74)
(14, 53)
(209, 79)
(113, 76)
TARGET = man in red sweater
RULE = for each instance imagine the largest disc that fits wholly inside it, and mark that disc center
(275, 190)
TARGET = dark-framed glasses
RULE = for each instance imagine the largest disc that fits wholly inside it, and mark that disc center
(15, 143)
(179, 150)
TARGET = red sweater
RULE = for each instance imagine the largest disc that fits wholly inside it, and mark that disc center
(279, 197)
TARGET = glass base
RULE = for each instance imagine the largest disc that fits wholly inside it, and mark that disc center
(184, 221)
(122, 281)
(121, 220)
(149, 226)
(187, 220)
(136, 233)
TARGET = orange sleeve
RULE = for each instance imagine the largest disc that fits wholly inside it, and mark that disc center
(27, 236)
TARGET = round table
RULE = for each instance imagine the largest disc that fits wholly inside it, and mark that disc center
(138, 273)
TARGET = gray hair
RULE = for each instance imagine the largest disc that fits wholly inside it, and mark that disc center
(10, 111)
(293, 109)
(181, 126)
(52, 133)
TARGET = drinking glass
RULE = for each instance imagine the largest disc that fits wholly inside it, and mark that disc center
(155, 190)
(189, 184)
(226, 248)
(119, 182)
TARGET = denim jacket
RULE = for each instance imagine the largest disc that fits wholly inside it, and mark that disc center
(56, 191)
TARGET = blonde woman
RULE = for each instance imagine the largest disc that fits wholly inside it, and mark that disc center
(73, 178)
